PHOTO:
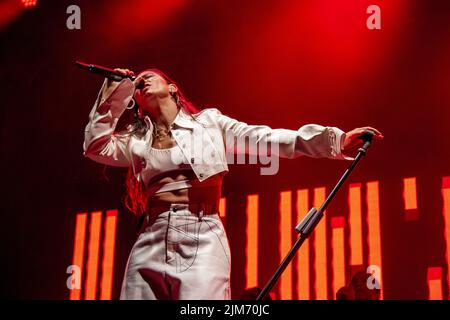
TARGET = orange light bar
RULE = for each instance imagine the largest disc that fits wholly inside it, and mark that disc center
(409, 193)
(108, 255)
(373, 211)
(410, 199)
(446, 214)
(94, 250)
(338, 263)
(303, 283)
(356, 244)
(434, 277)
(252, 241)
(78, 250)
(320, 244)
(223, 208)
(286, 243)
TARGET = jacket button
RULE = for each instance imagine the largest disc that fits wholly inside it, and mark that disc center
(184, 145)
(192, 160)
(201, 175)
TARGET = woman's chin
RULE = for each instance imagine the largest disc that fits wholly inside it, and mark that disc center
(148, 93)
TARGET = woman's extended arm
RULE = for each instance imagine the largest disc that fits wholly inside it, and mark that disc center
(311, 140)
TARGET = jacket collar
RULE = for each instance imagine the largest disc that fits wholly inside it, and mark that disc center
(183, 120)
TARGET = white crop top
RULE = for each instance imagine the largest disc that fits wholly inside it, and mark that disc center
(171, 159)
(164, 160)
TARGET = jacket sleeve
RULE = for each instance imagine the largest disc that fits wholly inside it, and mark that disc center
(101, 143)
(310, 140)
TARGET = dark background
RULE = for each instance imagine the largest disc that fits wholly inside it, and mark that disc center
(280, 63)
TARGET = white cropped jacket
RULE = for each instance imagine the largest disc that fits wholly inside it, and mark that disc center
(206, 139)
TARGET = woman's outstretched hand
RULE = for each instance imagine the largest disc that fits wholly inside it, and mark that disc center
(352, 138)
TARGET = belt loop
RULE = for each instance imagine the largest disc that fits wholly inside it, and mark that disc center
(200, 215)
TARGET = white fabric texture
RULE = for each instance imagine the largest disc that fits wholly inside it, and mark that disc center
(179, 256)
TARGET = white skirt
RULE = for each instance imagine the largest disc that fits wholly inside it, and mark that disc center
(179, 256)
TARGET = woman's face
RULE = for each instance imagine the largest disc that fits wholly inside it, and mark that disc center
(153, 86)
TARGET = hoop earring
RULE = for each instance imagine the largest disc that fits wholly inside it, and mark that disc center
(131, 104)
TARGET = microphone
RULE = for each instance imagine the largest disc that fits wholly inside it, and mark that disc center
(108, 73)
(366, 137)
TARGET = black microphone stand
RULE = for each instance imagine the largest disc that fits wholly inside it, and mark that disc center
(312, 218)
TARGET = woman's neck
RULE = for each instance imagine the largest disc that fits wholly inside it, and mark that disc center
(163, 112)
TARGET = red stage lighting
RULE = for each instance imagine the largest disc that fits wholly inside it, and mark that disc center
(9, 10)
(29, 3)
